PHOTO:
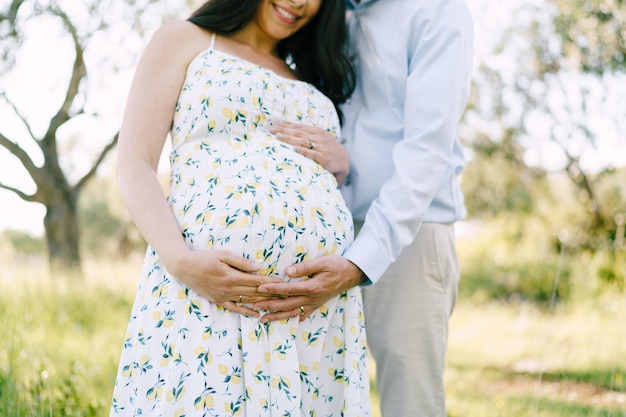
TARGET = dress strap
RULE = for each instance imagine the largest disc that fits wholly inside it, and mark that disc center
(212, 41)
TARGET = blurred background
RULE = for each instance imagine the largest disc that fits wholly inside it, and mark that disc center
(540, 327)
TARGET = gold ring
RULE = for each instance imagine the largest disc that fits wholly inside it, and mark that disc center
(311, 145)
(301, 310)
(240, 298)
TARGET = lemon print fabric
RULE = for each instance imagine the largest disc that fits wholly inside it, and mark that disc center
(234, 186)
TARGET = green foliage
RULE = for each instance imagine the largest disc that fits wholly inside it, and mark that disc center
(23, 243)
(98, 216)
(496, 180)
(593, 33)
(516, 282)
(511, 258)
(105, 225)
(612, 270)
(550, 252)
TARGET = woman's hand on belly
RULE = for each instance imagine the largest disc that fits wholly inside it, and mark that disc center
(318, 145)
(223, 278)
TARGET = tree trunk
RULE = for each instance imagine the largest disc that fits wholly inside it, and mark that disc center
(62, 236)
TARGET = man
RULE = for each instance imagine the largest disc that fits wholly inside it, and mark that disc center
(414, 60)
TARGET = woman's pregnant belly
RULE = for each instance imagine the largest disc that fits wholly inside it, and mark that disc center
(261, 200)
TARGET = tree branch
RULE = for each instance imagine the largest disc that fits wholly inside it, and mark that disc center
(26, 197)
(21, 154)
(19, 115)
(580, 178)
(79, 71)
(96, 164)
(11, 16)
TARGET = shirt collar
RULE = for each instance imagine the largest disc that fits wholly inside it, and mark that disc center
(352, 4)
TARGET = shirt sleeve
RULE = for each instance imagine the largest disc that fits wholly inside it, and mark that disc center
(437, 90)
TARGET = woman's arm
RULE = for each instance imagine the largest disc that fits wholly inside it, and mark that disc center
(147, 120)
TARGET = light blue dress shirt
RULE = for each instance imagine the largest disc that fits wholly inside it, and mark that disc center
(414, 62)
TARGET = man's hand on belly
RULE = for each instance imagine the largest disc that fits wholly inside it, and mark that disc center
(329, 275)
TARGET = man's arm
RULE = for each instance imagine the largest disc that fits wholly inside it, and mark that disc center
(436, 95)
(437, 89)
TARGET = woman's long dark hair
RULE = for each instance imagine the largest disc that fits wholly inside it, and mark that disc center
(318, 51)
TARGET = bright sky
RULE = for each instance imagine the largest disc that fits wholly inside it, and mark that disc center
(41, 53)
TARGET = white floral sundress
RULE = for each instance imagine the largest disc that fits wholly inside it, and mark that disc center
(235, 186)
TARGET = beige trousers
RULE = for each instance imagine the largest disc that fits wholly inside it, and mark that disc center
(406, 315)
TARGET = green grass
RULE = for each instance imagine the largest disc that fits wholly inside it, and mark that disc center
(60, 342)
(519, 360)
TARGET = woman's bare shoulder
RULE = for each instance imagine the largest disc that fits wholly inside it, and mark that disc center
(182, 36)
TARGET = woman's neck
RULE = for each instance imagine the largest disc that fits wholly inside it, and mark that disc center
(252, 37)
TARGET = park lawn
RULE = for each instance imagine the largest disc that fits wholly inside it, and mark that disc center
(61, 339)
(520, 360)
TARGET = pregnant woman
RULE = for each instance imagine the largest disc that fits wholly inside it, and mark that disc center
(242, 206)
